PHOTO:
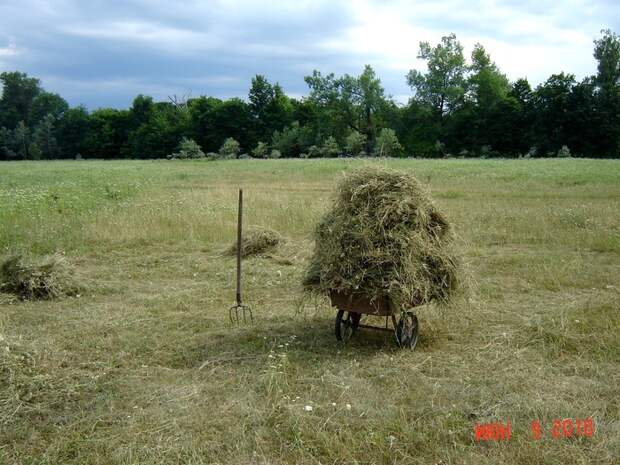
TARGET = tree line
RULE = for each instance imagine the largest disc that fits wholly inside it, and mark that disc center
(459, 107)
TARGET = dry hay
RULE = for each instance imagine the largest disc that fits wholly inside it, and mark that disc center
(256, 241)
(383, 237)
(47, 278)
(35, 384)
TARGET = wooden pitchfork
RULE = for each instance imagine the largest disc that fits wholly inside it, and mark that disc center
(239, 310)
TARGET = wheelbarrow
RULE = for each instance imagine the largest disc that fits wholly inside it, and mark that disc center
(351, 308)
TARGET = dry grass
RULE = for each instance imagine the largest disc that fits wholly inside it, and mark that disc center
(383, 237)
(255, 241)
(143, 367)
(47, 278)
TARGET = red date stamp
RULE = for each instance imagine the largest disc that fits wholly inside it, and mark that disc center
(492, 431)
(565, 428)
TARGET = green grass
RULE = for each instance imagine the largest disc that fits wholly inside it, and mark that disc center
(144, 367)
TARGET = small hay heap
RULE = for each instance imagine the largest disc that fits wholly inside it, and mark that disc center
(47, 278)
(256, 241)
(383, 237)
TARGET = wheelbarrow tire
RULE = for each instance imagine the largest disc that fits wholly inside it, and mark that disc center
(346, 324)
(407, 331)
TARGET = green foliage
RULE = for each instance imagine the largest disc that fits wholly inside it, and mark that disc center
(348, 102)
(443, 85)
(44, 136)
(44, 104)
(355, 143)
(73, 131)
(607, 54)
(211, 121)
(314, 152)
(22, 141)
(487, 85)
(7, 151)
(607, 101)
(163, 124)
(330, 148)
(275, 154)
(187, 149)
(261, 150)
(142, 110)
(109, 130)
(34, 151)
(387, 144)
(270, 108)
(465, 104)
(229, 149)
(18, 94)
(564, 152)
(291, 141)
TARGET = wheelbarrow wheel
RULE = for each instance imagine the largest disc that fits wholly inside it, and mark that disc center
(407, 330)
(346, 324)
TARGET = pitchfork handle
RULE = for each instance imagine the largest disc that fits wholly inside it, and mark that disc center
(239, 226)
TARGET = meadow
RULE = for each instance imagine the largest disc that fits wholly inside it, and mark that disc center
(144, 367)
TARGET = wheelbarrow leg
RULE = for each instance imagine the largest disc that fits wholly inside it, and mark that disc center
(407, 330)
(346, 324)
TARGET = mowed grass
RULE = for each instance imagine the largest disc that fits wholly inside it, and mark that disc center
(143, 367)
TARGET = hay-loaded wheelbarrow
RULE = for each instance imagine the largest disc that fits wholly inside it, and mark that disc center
(352, 307)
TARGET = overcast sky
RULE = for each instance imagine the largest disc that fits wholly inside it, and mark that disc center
(103, 53)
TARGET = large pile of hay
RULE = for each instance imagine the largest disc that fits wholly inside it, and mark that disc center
(383, 237)
(47, 278)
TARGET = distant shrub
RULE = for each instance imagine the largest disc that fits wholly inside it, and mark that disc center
(34, 151)
(355, 143)
(291, 140)
(261, 150)
(330, 148)
(387, 144)
(275, 154)
(439, 148)
(314, 152)
(532, 152)
(244, 156)
(229, 149)
(303, 155)
(564, 152)
(187, 149)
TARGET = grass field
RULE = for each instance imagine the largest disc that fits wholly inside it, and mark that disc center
(143, 367)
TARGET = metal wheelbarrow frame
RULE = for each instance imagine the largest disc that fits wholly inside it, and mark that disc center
(351, 307)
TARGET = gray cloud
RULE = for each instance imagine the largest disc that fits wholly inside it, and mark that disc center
(103, 53)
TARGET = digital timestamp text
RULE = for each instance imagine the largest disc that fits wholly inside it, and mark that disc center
(565, 428)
